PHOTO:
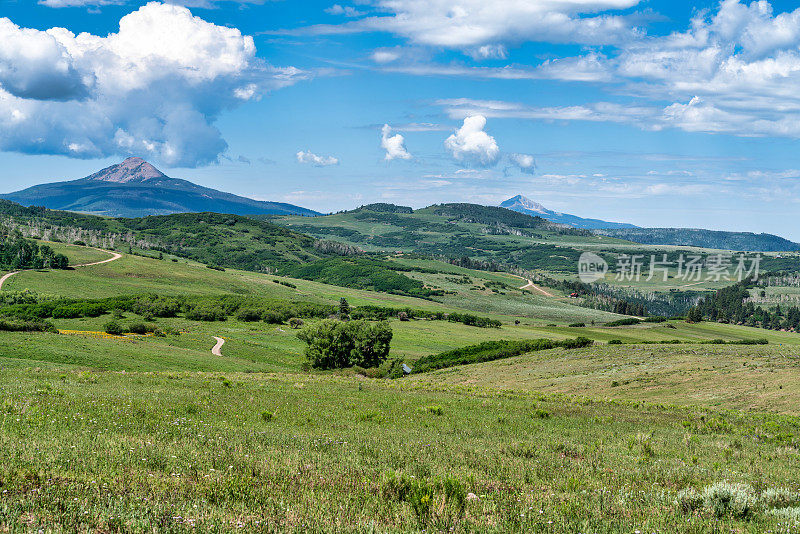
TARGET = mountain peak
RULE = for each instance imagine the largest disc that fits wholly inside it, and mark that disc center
(132, 170)
(525, 203)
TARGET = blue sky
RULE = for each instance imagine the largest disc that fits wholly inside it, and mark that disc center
(657, 113)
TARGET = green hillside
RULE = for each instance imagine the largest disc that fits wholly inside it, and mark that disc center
(154, 430)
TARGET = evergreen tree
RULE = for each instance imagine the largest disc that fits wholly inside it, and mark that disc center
(344, 309)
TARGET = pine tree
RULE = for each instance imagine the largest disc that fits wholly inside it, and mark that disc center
(344, 309)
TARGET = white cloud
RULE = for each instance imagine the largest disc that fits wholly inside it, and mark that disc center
(386, 55)
(80, 3)
(206, 4)
(735, 71)
(491, 51)
(153, 89)
(315, 160)
(524, 162)
(347, 11)
(470, 24)
(393, 144)
(470, 144)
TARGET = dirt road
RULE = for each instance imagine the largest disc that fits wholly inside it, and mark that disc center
(114, 256)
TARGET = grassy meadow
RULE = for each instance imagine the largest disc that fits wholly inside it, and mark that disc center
(157, 434)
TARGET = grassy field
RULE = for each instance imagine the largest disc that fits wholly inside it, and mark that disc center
(157, 434)
(764, 378)
(137, 274)
(175, 452)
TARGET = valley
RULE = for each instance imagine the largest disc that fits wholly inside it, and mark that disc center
(178, 340)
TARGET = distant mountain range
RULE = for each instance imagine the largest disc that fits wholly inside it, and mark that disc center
(686, 237)
(525, 205)
(134, 188)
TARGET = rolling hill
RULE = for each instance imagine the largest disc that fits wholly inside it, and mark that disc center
(691, 237)
(134, 188)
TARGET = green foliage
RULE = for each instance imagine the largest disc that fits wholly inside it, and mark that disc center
(113, 328)
(360, 273)
(492, 350)
(730, 500)
(704, 239)
(441, 502)
(17, 325)
(473, 320)
(336, 344)
(689, 500)
(624, 322)
(694, 315)
(19, 253)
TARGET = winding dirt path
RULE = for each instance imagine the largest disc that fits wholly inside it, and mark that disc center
(217, 350)
(536, 288)
(114, 257)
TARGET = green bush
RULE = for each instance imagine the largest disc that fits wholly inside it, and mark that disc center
(615, 342)
(140, 328)
(730, 500)
(624, 322)
(249, 315)
(336, 345)
(392, 369)
(278, 316)
(780, 498)
(17, 325)
(493, 350)
(208, 313)
(113, 328)
(689, 500)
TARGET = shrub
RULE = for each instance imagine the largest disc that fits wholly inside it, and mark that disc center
(140, 328)
(624, 322)
(780, 498)
(493, 350)
(402, 316)
(249, 315)
(113, 328)
(434, 409)
(730, 500)
(336, 345)
(615, 342)
(206, 313)
(17, 325)
(689, 500)
(577, 325)
(296, 322)
(276, 316)
(392, 369)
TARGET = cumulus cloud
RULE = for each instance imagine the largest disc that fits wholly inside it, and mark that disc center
(306, 156)
(524, 162)
(470, 144)
(394, 145)
(153, 89)
(735, 71)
